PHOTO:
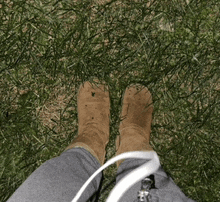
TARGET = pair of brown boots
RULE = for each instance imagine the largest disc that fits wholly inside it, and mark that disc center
(93, 119)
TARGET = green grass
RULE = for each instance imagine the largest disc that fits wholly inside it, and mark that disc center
(48, 48)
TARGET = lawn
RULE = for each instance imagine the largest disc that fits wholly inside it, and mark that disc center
(48, 48)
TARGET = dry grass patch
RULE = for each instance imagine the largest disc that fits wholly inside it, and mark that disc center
(56, 111)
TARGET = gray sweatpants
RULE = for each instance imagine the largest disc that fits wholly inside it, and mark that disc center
(60, 178)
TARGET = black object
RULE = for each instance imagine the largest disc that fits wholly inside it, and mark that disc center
(146, 184)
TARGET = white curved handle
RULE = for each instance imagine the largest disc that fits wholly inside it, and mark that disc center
(125, 183)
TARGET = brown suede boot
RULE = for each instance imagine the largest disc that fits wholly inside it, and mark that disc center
(93, 119)
(135, 126)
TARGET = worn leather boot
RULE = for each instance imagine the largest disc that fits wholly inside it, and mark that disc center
(135, 127)
(93, 104)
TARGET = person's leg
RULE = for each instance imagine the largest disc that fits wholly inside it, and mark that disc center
(135, 130)
(60, 178)
(165, 189)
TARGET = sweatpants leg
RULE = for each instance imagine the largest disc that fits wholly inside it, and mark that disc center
(165, 189)
(60, 178)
